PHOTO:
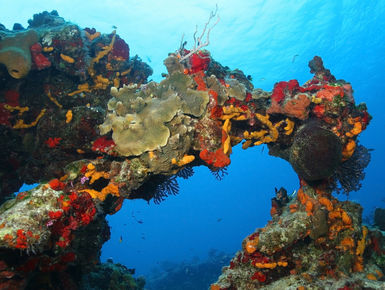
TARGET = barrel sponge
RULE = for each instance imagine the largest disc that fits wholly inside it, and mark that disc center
(315, 153)
(15, 52)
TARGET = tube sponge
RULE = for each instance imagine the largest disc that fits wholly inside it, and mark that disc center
(15, 52)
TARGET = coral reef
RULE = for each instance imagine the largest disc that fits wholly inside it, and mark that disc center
(340, 252)
(111, 276)
(70, 77)
(86, 125)
(189, 275)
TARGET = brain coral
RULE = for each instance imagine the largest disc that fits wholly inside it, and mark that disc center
(15, 53)
(138, 117)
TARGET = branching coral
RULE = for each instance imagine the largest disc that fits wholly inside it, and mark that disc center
(198, 41)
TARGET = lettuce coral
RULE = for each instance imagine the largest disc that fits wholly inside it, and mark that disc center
(15, 52)
(145, 122)
(141, 114)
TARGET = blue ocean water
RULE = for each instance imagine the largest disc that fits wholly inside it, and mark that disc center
(270, 40)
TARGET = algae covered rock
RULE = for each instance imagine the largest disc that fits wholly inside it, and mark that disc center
(15, 53)
(28, 213)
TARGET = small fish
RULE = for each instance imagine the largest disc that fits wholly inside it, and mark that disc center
(114, 27)
(137, 220)
(121, 239)
(149, 59)
(219, 220)
(292, 61)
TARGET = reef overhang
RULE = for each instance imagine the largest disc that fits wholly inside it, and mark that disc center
(82, 120)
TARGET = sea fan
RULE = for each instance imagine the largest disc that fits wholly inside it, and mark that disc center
(158, 187)
(186, 172)
(166, 188)
(349, 174)
(219, 173)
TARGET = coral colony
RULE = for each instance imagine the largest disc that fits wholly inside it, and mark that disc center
(79, 117)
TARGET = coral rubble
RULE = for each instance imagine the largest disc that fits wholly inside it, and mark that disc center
(80, 118)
